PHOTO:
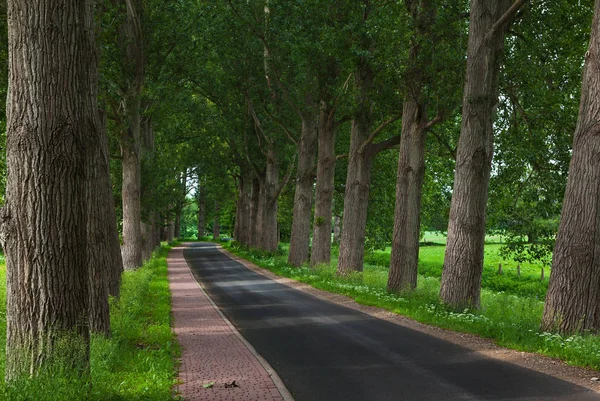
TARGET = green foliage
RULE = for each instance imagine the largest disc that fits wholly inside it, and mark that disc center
(510, 320)
(138, 362)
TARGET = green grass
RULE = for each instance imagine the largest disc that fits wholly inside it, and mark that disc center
(510, 320)
(138, 362)
(431, 261)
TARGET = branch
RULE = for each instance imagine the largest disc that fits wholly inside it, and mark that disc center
(375, 148)
(432, 123)
(504, 20)
(257, 125)
(344, 89)
(342, 156)
(282, 125)
(377, 131)
(287, 177)
(256, 171)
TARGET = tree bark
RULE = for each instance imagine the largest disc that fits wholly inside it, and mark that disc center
(321, 246)
(573, 298)
(409, 187)
(53, 130)
(132, 215)
(307, 149)
(463, 262)
(131, 40)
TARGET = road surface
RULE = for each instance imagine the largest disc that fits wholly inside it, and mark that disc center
(326, 352)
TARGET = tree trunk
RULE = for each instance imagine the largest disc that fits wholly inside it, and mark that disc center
(170, 231)
(268, 214)
(132, 216)
(463, 262)
(243, 210)
(358, 180)
(180, 204)
(411, 161)
(337, 229)
(132, 42)
(255, 214)
(201, 199)
(407, 216)
(321, 246)
(53, 131)
(104, 253)
(216, 223)
(300, 236)
(177, 224)
(572, 303)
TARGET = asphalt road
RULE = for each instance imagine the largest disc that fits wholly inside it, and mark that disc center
(324, 351)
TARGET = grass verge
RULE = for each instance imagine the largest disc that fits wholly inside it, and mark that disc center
(138, 362)
(511, 320)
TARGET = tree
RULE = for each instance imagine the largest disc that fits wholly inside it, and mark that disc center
(363, 148)
(463, 261)
(429, 31)
(132, 49)
(53, 130)
(572, 303)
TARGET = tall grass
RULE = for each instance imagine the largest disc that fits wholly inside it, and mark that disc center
(138, 362)
(509, 319)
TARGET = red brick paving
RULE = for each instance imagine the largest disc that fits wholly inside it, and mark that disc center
(211, 351)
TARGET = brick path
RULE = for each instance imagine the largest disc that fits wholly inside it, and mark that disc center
(211, 349)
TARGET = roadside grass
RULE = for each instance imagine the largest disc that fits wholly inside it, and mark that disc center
(138, 361)
(431, 262)
(510, 320)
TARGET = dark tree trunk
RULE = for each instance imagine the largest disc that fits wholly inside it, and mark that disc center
(177, 224)
(321, 246)
(243, 210)
(254, 213)
(268, 215)
(104, 253)
(53, 131)
(307, 149)
(407, 216)
(201, 199)
(132, 42)
(217, 222)
(170, 231)
(573, 299)
(463, 262)
(180, 204)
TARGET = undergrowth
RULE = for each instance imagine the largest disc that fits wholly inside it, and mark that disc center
(138, 361)
(509, 319)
